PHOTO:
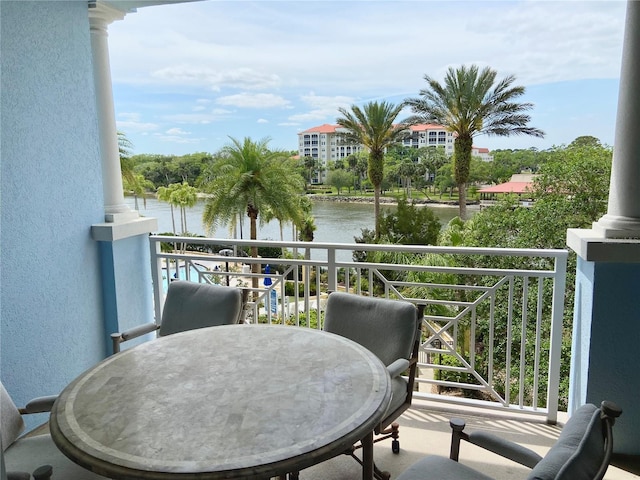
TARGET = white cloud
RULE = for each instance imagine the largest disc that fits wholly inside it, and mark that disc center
(177, 131)
(244, 78)
(250, 100)
(323, 108)
(132, 126)
(262, 120)
(176, 139)
(214, 115)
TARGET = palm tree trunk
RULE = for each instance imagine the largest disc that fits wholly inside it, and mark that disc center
(462, 164)
(462, 200)
(255, 268)
(173, 220)
(376, 208)
(185, 219)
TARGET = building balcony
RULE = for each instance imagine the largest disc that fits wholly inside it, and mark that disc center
(484, 328)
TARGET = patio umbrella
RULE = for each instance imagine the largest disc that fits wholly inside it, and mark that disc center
(273, 295)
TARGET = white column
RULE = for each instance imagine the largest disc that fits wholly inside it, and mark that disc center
(100, 16)
(623, 213)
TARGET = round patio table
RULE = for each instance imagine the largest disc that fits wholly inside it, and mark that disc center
(234, 401)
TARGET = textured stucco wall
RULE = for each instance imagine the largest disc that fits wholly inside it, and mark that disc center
(126, 277)
(606, 344)
(51, 192)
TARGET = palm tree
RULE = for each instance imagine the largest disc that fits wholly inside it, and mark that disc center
(470, 103)
(165, 194)
(373, 127)
(307, 224)
(184, 196)
(131, 181)
(250, 178)
(124, 149)
(138, 187)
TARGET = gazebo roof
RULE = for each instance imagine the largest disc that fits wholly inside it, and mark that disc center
(509, 187)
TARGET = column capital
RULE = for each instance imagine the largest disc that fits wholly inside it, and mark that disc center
(101, 15)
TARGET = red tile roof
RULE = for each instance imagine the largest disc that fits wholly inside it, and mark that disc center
(509, 187)
(331, 128)
(426, 126)
(325, 128)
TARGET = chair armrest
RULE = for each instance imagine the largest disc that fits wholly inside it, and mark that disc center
(41, 473)
(505, 448)
(397, 367)
(119, 337)
(39, 405)
(493, 443)
(18, 476)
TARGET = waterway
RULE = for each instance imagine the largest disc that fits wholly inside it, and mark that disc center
(337, 222)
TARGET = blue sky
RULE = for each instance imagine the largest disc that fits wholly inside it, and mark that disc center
(187, 77)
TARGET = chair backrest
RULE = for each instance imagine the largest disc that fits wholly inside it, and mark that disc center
(190, 305)
(583, 450)
(385, 327)
(11, 423)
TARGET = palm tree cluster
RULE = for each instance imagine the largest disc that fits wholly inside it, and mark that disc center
(181, 195)
(470, 102)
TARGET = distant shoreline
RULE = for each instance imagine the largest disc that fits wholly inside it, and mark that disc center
(383, 200)
(386, 200)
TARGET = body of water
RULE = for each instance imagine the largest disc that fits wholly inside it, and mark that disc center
(337, 222)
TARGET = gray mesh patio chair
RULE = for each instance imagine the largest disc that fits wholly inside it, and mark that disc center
(391, 330)
(190, 305)
(35, 455)
(582, 452)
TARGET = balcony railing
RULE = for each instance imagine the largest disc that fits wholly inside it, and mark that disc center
(492, 327)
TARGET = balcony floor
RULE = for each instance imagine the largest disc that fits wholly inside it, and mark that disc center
(424, 430)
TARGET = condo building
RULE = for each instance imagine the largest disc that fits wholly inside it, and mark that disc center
(326, 143)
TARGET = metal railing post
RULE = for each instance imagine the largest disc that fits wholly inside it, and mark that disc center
(156, 277)
(555, 348)
(332, 270)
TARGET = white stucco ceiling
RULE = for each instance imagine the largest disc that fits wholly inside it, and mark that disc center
(128, 6)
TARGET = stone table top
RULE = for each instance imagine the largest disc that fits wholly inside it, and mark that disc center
(235, 401)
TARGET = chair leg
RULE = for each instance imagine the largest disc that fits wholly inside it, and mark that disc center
(43, 473)
(380, 474)
(395, 443)
(393, 432)
(377, 473)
